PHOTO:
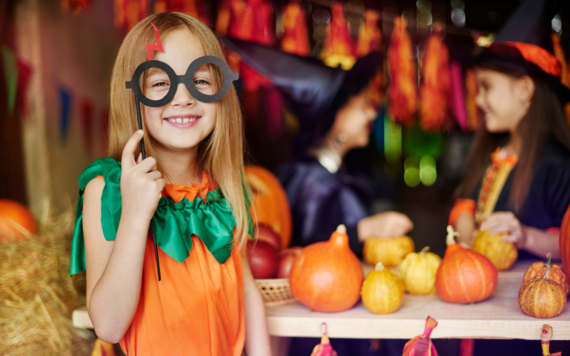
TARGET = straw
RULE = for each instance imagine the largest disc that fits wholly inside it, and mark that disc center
(37, 296)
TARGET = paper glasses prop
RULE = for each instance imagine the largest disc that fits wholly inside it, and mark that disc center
(160, 73)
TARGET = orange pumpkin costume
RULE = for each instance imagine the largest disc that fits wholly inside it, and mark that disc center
(198, 307)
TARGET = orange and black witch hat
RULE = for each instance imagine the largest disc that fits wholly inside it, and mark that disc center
(525, 43)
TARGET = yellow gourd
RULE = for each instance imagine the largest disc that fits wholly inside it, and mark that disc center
(389, 251)
(502, 254)
(417, 272)
(382, 291)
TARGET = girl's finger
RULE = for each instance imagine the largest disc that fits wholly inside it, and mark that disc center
(162, 183)
(154, 175)
(148, 164)
(139, 159)
(128, 158)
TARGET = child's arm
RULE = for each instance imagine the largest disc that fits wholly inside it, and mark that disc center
(256, 331)
(533, 240)
(465, 226)
(114, 268)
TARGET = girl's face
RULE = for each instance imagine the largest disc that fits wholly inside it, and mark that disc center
(353, 122)
(503, 99)
(184, 122)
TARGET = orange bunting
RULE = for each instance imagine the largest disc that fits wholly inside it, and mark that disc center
(339, 47)
(434, 91)
(471, 93)
(402, 93)
(295, 38)
(369, 35)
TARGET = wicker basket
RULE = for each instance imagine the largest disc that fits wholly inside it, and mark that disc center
(275, 291)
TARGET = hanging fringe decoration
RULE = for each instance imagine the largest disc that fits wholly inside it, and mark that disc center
(422, 345)
(435, 83)
(324, 348)
(339, 47)
(295, 38)
(369, 35)
(194, 8)
(565, 73)
(471, 89)
(130, 12)
(402, 93)
(457, 103)
(75, 6)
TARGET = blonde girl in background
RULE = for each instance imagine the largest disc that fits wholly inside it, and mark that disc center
(192, 186)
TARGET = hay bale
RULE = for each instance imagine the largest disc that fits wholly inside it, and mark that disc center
(37, 296)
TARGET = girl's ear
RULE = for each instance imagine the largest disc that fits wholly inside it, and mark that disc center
(525, 86)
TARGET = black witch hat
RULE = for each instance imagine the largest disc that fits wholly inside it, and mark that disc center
(310, 88)
(525, 43)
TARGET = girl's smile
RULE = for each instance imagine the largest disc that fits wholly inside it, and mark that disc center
(183, 121)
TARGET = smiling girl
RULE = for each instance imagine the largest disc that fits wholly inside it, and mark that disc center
(192, 187)
(517, 178)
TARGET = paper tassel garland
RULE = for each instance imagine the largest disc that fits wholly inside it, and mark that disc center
(369, 35)
(339, 47)
(435, 84)
(545, 338)
(471, 94)
(402, 93)
(295, 38)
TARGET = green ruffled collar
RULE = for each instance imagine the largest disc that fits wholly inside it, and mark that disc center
(175, 223)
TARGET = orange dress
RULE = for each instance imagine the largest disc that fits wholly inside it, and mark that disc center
(197, 308)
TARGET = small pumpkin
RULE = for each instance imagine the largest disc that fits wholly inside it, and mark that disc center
(542, 298)
(270, 204)
(327, 276)
(390, 251)
(464, 276)
(417, 272)
(564, 243)
(382, 291)
(502, 254)
(15, 220)
(556, 275)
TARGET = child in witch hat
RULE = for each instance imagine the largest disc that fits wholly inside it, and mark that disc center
(517, 178)
(335, 112)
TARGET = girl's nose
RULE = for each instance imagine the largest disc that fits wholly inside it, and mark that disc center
(182, 98)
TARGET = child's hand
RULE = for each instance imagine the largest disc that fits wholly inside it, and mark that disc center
(385, 225)
(141, 183)
(507, 222)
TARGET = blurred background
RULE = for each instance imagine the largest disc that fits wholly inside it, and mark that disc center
(57, 57)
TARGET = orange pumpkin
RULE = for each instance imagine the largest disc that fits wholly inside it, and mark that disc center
(542, 298)
(564, 241)
(270, 204)
(327, 276)
(464, 276)
(15, 220)
(556, 275)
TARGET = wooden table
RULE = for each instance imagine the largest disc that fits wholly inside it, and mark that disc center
(496, 318)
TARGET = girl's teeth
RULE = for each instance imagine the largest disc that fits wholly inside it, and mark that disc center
(182, 121)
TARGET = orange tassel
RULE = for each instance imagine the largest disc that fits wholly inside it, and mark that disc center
(435, 84)
(369, 35)
(339, 48)
(295, 38)
(402, 93)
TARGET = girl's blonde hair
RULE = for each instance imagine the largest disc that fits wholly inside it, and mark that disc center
(220, 155)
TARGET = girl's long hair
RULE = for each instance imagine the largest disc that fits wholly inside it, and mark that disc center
(544, 121)
(220, 155)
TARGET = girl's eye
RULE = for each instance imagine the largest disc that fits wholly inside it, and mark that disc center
(200, 82)
(159, 84)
